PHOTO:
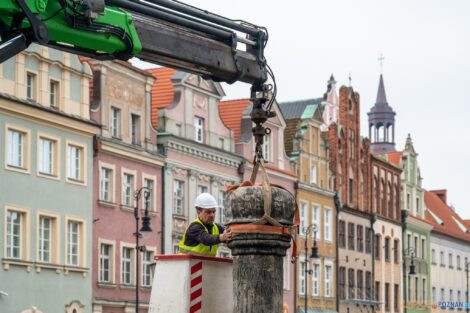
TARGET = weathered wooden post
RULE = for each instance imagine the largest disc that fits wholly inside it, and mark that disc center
(258, 250)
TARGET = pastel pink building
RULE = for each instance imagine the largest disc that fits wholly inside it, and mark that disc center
(199, 149)
(236, 115)
(125, 160)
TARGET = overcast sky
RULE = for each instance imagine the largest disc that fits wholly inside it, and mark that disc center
(426, 70)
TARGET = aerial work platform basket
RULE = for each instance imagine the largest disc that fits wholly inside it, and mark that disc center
(188, 284)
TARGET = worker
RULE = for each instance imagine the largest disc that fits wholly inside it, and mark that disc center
(203, 236)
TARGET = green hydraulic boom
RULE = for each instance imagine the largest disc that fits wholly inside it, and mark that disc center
(164, 32)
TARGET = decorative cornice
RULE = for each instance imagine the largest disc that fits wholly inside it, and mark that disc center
(418, 223)
(180, 166)
(130, 153)
(317, 189)
(203, 154)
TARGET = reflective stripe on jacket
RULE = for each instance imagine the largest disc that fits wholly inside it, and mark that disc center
(200, 249)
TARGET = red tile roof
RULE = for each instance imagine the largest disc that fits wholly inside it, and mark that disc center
(445, 213)
(395, 157)
(466, 223)
(231, 114)
(162, 90)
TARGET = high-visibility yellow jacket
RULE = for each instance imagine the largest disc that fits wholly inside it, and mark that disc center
(200, 249)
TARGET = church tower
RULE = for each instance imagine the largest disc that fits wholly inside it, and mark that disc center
(381, 123)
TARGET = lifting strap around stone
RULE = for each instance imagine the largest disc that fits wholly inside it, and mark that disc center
(266, 224)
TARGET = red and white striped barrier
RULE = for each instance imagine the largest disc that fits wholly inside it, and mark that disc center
(191, 284)
(195, 298)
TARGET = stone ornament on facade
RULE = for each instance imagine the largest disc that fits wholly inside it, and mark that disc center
(200, 102)
(74, 307)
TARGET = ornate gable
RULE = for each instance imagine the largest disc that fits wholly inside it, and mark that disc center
(204, 84)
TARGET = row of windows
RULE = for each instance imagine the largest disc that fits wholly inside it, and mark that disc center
(450, 295)
(450, 259)
(355, 242)
(356, 289)
(315, 219)
(107, 264)
(128, 179)
(31, 89)
(18, 151)
(18, 237)
(316, 279)
(179, 193)
(115, 125)
(356, 237)
(418, 251)
(415, 291)
(359, 286)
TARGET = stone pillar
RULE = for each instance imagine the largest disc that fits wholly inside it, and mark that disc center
(258, 257)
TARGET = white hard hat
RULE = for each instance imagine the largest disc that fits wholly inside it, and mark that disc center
(205, 201)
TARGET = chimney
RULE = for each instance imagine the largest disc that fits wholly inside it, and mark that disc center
(442, 194)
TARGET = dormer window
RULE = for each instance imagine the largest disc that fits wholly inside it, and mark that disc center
(199, 128)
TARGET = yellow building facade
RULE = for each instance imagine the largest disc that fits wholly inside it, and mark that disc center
(316, 276)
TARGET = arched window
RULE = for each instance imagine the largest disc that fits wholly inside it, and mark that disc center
(397, 199)
(382, 197)
(361, 195)
(390, 200)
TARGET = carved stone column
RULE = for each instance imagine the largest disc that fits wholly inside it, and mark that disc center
(258, 257)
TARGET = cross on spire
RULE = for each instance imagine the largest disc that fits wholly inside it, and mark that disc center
(349, 79)
(381, 60)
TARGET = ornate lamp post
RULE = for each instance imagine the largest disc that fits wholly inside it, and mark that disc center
(145, 228)
(411, 252)
(314, 255)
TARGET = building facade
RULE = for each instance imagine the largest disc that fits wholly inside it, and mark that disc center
(385, 205)
(308, 157)
(416, 232)
(236, 115)
(450, 252)
(199, 149)
(125, 160)
(46, 183)
(350, 164)
(386, 186)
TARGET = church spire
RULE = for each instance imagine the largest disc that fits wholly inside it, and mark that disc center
(381, 97)
(382, 122)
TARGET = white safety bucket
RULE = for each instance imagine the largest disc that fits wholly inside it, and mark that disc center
(186, 283)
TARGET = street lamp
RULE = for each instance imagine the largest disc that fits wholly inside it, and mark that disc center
(314, 255)
(409, 251)
(145, 228)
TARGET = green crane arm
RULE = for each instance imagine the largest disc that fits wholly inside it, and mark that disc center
(164, 32)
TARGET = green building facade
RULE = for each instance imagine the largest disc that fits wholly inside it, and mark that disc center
(46, 143)
(416, 232)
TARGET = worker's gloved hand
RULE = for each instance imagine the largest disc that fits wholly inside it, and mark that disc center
(226, 235)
